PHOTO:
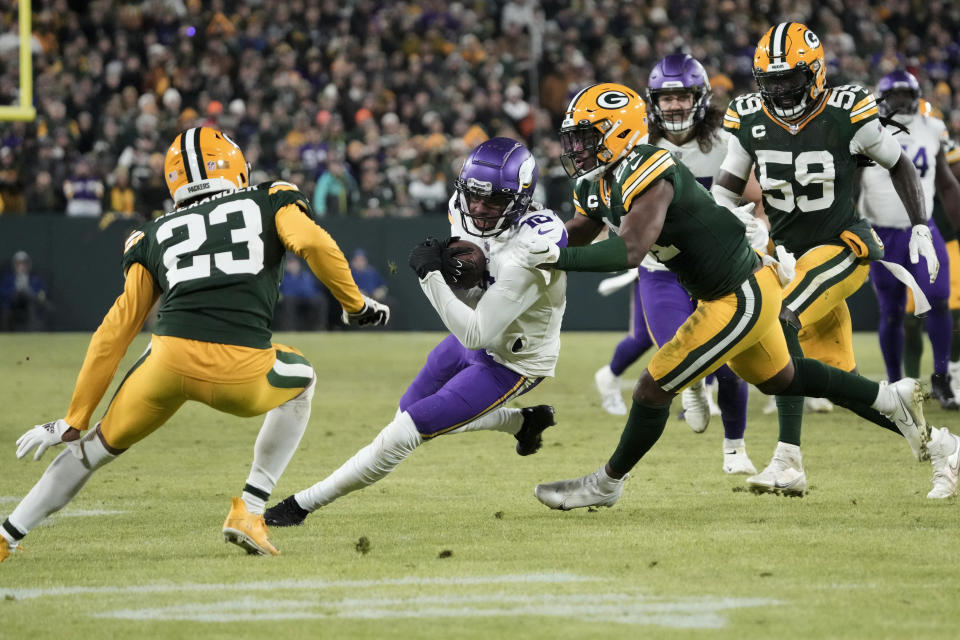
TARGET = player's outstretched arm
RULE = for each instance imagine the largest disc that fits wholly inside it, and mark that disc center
(110, 342)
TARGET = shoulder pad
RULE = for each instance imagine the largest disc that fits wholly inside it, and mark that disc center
(739, 107)
(132, 240)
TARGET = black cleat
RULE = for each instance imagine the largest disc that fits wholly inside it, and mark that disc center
(535, 420)
(942, 393)
(286, 513)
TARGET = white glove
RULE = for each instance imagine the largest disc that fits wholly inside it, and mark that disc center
(42, 436)
(756, 232)
(373, 314)
(921, 244)
(535, 251)
(615, 283)
(786, 266)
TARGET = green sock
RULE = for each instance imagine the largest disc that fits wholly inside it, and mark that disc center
(815, 379)
(790, 407)
(912, 345)
(644, 427)
(955, 342)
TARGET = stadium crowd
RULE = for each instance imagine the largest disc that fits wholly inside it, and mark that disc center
(370, 106)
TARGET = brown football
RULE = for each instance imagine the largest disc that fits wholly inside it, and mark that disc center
(464, 270)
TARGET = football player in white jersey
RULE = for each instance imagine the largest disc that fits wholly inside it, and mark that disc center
(683, 122)
(505, 335)
(923, 141)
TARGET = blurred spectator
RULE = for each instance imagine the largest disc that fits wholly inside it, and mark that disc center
(408, 84)
(303, 304)
(12, 199)
(42, 196)
(427, 192)
(121, 194)
(23, 297)
(83, 192)
(367, 277)
(337, 192)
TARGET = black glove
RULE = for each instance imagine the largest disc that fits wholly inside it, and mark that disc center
(426, 257)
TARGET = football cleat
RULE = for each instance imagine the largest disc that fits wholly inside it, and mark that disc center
(696, 407)
(944, 450)
(905, 397)
(286, 513)
(608, 384)
(593, 490)
(784, 475)
(6, 549)
(735, 458)
(535, 421)
(247, 530)
(941, 392)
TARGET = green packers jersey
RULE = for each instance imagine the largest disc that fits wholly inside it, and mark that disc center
(701, 242)
(805, 168)
(219, 264)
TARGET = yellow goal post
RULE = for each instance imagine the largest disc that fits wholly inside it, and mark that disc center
(24, 110)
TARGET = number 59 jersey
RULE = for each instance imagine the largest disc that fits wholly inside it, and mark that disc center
(806, 167)
(219, 264)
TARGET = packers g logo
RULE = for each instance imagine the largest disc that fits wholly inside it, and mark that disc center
(811, 39)
(613, 100)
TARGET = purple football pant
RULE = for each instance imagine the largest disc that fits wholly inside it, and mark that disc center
(636, 343)
(668, 305)
(892, 299)
(457, 385)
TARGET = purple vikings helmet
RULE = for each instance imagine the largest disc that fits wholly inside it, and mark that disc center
(501, 174)
(674, 74)
(899, 92)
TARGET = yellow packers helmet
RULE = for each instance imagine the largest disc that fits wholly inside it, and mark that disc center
(202, 161)
(790, 69)
(602, 124)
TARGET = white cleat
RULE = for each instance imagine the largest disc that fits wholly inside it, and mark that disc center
(784, 475)
(771, 406)
(944, 451)
(712, 389)
(608, 385)
(817, 405)
(905, 403)
(735, 458)
(696, 407)
(593, 490)
(953, 372)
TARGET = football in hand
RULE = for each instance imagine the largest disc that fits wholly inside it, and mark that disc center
(463, 264)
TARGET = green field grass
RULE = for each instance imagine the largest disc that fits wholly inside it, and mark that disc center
(458, 545)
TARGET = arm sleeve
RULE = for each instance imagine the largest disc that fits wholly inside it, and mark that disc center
(514, 291)
(737, 161)
(604, 256)
(875, 142)
(301, 235)
(110, 342)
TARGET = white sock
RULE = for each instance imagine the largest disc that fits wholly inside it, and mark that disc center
(279, 437)
(391, 447)
(502, 419)
(885, 402)
(730, 445)
(62, 480)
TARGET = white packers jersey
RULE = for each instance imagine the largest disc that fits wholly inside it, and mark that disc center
(528, 303)
(703, 166)
(879, 201)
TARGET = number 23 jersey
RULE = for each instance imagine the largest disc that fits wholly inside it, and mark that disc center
(219, 264)
(806, 168)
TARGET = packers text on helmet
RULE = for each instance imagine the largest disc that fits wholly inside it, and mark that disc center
(202, 161)
(790, 69)
(602, 124)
